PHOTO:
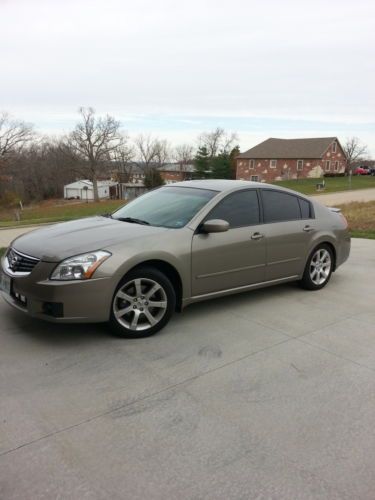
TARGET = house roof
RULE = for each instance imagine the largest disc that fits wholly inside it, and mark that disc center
(140, 167)
(177, 167)
(84, 182)
(289, 148)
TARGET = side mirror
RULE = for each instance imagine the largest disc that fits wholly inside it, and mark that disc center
(215, 226)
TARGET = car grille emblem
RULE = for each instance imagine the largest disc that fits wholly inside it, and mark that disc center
(13, 262)
(18, 263)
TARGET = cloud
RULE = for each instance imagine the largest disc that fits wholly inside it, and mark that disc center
(291, 61)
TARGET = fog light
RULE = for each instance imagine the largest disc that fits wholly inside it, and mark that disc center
(55, 309)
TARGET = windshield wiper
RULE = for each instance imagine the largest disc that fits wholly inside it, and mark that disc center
(133, 221)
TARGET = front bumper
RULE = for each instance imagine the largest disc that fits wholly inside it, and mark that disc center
(60, 301)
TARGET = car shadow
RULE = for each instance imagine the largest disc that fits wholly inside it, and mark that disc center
(57, 333)
(242, 298)
(68, 334)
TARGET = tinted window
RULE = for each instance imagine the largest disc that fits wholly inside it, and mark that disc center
(305, 208)
(239, 209)
(171, 207)
(279, 206)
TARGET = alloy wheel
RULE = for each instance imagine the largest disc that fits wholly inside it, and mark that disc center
(140, 304)
(320, 266)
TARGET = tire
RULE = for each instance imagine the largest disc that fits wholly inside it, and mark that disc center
(132, 316)
(318, 268)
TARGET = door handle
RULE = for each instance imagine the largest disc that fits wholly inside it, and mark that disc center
(308, 228)
(257, 236)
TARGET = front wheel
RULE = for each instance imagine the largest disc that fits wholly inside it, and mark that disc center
(318, 268)
(142, 304)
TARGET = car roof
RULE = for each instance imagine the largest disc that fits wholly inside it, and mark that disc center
(223, 185)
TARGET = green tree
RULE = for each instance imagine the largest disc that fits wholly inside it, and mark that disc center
(233, 163)
(153, 179)
(221, 166)
(202, 163)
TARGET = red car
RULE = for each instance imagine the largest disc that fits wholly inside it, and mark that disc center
(362, 171)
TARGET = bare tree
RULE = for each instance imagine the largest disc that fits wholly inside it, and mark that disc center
(217, 141)
(14, 134)
(94, 140)
(147, 149)
(163, 152)
(151, 152)
(39, 171)
(354, 151)
(183, 154)
(122, 157)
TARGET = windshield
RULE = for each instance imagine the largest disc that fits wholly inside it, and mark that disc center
(171, 207)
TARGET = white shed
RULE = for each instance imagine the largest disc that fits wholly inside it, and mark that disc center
(83, 190)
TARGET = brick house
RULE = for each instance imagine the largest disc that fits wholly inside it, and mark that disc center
(176, 172)
(280, 159)
(134, 173)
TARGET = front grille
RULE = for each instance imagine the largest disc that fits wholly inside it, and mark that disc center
(19, 262)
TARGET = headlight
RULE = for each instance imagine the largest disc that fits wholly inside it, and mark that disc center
(80, 267)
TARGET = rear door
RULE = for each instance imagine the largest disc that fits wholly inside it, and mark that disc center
(234, 258)
(288, 229)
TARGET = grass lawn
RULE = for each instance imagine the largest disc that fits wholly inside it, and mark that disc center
(361, 218)
(52, 212)
(333, 184)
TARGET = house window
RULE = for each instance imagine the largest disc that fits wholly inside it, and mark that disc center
(255, 178)
(299, 164)
(273, 163)
(334, 147)
(328, 165)
(336, 166)
(251, 163)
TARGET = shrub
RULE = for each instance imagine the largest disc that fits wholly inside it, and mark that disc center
(10, 200)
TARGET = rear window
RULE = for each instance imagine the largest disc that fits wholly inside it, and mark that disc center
(305, 208)
(278, 206)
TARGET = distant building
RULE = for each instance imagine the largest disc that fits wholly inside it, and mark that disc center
(176, 172)
(83, 190)
(134, 172)
(130, 190)
(363, 163)
(280, 159)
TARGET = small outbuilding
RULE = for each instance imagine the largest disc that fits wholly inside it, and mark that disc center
(83, 190)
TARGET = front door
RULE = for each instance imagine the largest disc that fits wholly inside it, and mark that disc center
(235, 258)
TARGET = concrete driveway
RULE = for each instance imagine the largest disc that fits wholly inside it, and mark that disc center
(340, 198)
(265, 395)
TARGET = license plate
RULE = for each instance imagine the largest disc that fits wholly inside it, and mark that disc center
(5, 283)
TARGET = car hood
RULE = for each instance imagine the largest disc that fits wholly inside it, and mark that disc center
(60, 241)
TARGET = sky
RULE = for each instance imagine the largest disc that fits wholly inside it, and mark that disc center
(270, 68)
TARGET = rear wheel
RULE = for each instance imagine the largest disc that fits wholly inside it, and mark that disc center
(318, 269)
(142, 304)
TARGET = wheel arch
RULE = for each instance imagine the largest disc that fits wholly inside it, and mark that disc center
(329, 244)
(334, 253)
(170, 271)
